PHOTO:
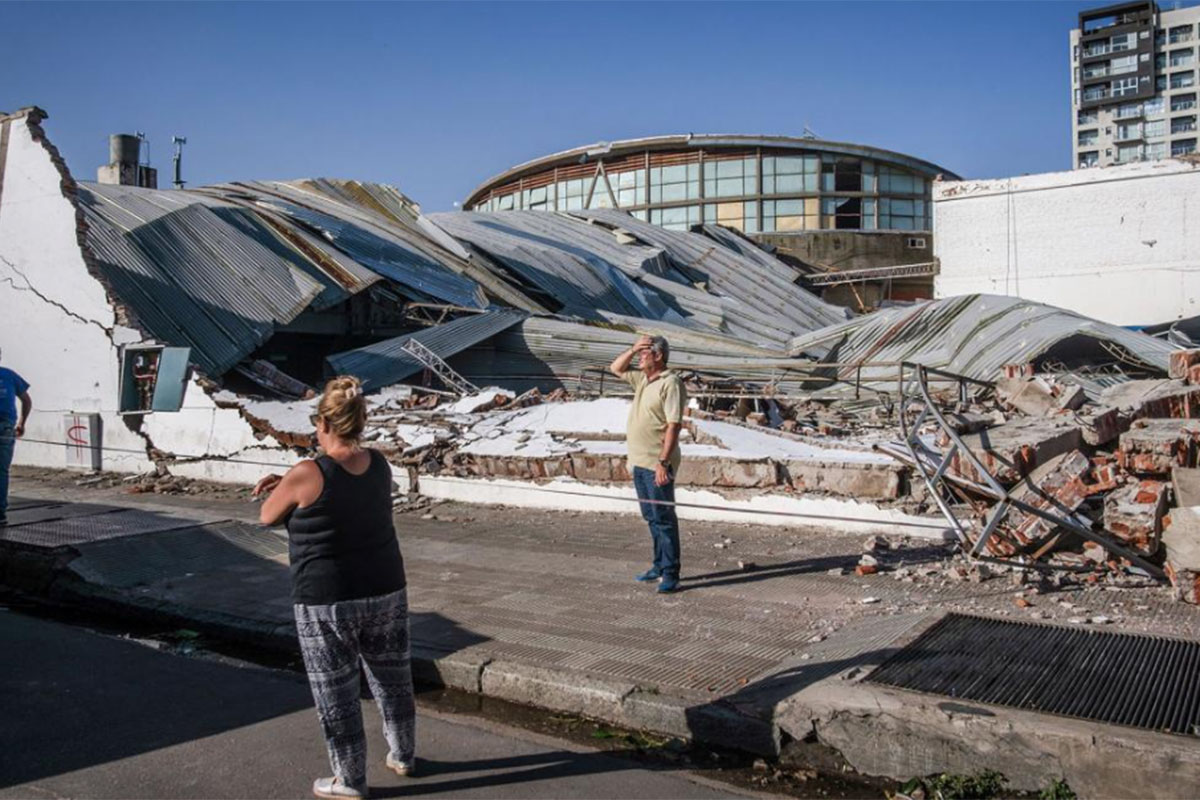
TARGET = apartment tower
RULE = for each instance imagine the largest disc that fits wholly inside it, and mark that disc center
(1133, 84)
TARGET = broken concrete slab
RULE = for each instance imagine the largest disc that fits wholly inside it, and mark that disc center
(1181, 538)
(1156, 446)
(1156, 399)
(1015, 448)
(1186, 483)
(1181, 361)
(1038, 396)
(866, 481)
(1033, 396)
(728, 473)
(1134, 514)
(1100, 425)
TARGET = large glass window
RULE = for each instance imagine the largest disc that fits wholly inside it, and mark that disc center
(1156, 129)
(1183, 124)
(1089, 159)
(535, 199)
(1153, 106)
(842, 213)
(1087, 117)
(629, 187)
(736, 214)
(731, 177)
(1129, 152)
(679, 218)
(1183, 147)
(1179, 80)
(791, 215)
(841, 174)
(1156, 150)
(1127, 110)
(902, 214)
(571, 194)
(1180, 33)
(672, 184)
(1182, 102)
(1088, 137)
(1124, 86)
(1122, 41)
(898, 181)
(1124, 64)
(790, 174)
(1182, 58)
(1129, 130)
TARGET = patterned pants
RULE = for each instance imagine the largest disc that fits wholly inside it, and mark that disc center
(333, 639)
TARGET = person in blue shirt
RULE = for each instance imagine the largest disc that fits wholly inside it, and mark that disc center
(12, 427)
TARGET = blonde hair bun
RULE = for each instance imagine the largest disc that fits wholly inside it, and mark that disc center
(343, 407)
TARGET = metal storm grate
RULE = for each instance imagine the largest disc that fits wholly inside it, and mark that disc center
(1146, 682)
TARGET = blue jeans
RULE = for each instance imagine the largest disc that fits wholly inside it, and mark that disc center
(8, 439)
(664, 525)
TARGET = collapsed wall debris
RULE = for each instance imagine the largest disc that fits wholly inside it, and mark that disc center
(1046, 438)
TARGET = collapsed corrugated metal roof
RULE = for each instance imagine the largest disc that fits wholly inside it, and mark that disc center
(386, 362)
(976, 335)
(627, 267)
(190, 277)
(770, 301)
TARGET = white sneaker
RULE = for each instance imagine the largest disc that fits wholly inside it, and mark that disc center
(334, 789)
(405, 769)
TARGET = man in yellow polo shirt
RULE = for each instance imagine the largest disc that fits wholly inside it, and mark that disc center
(652, 436)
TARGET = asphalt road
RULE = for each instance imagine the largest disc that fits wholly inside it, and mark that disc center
(89, 715)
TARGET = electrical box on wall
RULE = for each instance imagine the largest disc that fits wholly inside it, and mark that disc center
(153, 378)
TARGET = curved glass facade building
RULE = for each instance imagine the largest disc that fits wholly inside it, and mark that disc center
(757, 184)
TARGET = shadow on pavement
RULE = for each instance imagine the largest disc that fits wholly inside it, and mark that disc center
(552, 765)
(761, 572)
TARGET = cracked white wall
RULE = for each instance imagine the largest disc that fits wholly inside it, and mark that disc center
(1120, 244)
(58, 330)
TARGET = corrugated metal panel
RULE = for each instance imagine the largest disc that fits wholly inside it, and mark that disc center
(386, 362)
(973, 335)
(771, 306)
(582, 267)
(189, 276)
(544, 351)
(406, 266)
(381, 211)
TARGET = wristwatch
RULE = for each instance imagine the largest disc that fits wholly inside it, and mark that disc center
(664, 462)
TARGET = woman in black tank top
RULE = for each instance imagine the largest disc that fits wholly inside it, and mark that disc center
(348, 588)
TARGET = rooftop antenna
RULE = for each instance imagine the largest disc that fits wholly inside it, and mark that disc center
(808, 133)
(144, 143)
(179, 142)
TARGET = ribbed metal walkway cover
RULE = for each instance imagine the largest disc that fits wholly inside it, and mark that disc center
(1142, 681)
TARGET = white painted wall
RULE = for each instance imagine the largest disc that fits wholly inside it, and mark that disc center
(59, 332)
(1121, 244)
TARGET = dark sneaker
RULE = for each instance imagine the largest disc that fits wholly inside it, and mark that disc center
(334, 789)
(668, 584)
(651, 574)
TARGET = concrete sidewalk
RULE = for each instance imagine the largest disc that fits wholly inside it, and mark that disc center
(541, 608)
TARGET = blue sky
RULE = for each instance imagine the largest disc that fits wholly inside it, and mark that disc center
(436, 97)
